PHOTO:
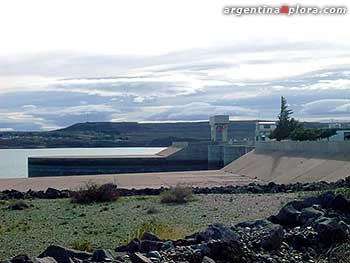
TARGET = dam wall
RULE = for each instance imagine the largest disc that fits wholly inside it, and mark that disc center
(178, 157)
(220, 155)
(326, 147)
(291, 162)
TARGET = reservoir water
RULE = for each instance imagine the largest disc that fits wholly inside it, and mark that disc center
(14, 162)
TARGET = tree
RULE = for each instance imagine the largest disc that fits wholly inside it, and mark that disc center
(311, 134)
(289, 128)
(285, 125)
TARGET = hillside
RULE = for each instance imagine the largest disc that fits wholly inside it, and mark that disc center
(128, 134)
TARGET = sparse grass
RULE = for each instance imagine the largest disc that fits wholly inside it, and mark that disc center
(344, 191)
(161, 230)
(83, 246)
(94, 193)
(179, 194)
(110, 224)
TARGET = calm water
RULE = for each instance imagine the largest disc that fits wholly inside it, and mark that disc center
(13, 162)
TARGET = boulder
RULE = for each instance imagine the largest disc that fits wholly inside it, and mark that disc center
(21, 259)
(64, 255)
(340, 203)
(326, 199)
(309, 214)
(273, 239)
(226, 251)
(331, 231)
(216, 231)
(149, 245)
(101, 255)
(133, 246)
(288, 216)
(52, 193)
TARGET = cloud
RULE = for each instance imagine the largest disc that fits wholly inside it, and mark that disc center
(200, 111)
(327, 107)
(243, 81)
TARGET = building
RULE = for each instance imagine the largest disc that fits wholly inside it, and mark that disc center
(219, 128)
(263, 129)
(334, 125)
(341, 135)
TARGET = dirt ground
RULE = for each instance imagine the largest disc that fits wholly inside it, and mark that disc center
(137, 180)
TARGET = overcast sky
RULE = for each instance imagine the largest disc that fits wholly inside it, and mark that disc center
(68, 61)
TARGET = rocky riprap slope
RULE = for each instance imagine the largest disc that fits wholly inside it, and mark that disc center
(311, 230)
(254, 188)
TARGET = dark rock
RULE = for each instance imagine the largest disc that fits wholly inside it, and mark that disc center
(149, 245)
(341, 204)
(273, 239)
(309, 214)
(133, 246)
(18, 205)
(101, 255)
(154, 254)
(229, 251)
(45, 260)
(207, 260)
(52, 193)
(150, 236)
(21, 259)
(331, 231)
(167, 245)
(13, 194)
(326, 199)
(216, 231)
(139, 258)
(288, 216)
(64, 255)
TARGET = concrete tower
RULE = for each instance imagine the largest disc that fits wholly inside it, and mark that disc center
(219, 128)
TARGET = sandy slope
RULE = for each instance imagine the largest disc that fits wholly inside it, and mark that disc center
(289, 167)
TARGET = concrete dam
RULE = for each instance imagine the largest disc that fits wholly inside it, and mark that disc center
(292, 161)
(180, 156)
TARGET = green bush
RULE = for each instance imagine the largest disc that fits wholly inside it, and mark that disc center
(178, 194)
(94, 193)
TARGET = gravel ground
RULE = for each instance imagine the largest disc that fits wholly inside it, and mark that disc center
(111, 224)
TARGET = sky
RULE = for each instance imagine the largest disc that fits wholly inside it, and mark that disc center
(64, 61)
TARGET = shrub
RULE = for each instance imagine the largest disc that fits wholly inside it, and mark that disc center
(178, 194)
(152, 210)
(91, 193)
(82, 246)
(18, 205)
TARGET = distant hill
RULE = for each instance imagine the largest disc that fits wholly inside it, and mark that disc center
(129, 134)
(160, 131)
